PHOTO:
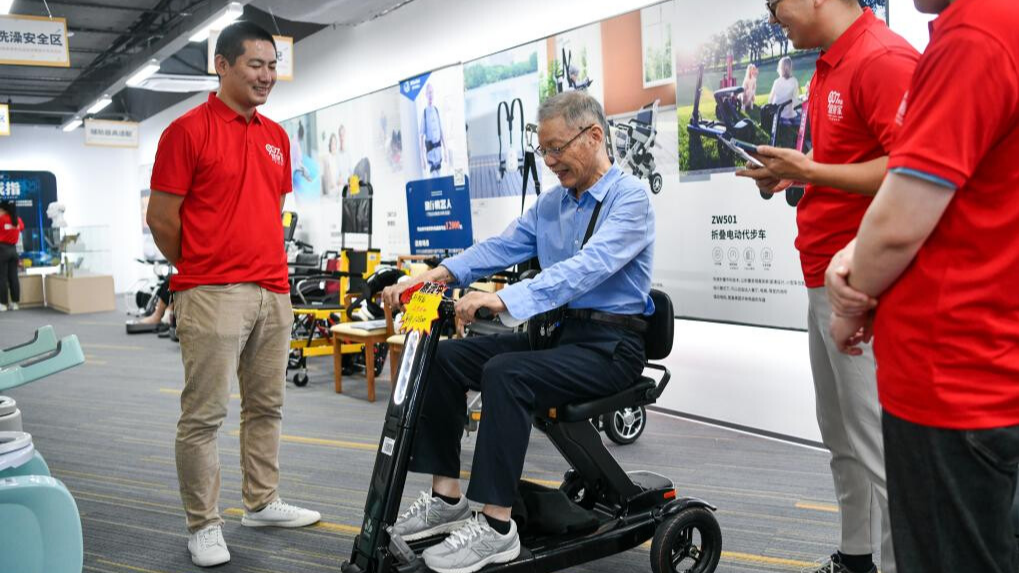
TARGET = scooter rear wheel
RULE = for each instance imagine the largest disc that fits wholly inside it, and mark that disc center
(689, 542)
(626, 425)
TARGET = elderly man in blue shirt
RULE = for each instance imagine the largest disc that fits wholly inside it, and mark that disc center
(594, 237)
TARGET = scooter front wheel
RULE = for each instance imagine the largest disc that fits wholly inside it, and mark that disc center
(688, 542)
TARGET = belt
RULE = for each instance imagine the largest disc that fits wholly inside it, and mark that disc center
(632, 322)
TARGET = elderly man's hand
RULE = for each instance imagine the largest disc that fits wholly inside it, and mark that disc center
(468, 306)
(849, 332)
(391, 294)
(845, 300)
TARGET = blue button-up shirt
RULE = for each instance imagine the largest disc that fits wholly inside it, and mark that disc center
(612, 273)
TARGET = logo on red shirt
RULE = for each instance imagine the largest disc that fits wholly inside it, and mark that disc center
(275, 153)
(835, 106)
(900, 116)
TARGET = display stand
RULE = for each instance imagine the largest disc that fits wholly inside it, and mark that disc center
(31, 290)
(80, 293)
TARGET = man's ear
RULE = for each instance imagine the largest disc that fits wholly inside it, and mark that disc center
(221, 65)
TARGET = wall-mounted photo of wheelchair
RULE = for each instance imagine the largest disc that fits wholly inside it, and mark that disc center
(776, 123)
(633, 143)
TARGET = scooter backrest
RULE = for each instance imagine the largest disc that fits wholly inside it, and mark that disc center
(661, 327)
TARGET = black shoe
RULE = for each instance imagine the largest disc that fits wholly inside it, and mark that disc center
(832, 565)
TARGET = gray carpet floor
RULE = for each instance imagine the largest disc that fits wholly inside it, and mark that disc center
(107, 428)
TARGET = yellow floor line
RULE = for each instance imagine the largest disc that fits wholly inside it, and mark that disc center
(106, 478)
(126, 566)
(111, 346)
(817, 506)
(338, 527)
(321, 442)
(179, 392)
(764, 560)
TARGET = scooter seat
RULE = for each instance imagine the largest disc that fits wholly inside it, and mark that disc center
(639, 394)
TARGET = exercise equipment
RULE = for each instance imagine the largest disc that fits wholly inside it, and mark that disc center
(44, 340)
(628, 508)
(66, 354)
(40, 528)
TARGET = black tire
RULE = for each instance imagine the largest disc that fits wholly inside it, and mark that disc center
(295, 359)
(766, 196)
(656, 183)
(793, 196)
(626, 425)
(689, 542)
(350, 363)
(300, 380)
(381, 352)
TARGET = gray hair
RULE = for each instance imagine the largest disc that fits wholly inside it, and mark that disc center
(577, 109)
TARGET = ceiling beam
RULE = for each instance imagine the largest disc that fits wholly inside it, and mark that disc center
(79, 4)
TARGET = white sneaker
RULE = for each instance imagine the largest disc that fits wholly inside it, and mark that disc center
(14, 306)
(3, 308)
(281, 514)
(207, 547)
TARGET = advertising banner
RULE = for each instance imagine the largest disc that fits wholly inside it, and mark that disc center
(5, 119)
(439, 216)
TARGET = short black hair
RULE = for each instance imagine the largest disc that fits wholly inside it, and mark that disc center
(230, 43)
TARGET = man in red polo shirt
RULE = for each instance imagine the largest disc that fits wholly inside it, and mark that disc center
(940, 248)
(861, 75)
(221, 173)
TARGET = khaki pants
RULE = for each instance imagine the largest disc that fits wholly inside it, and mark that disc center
(849, 416)
(231, 331)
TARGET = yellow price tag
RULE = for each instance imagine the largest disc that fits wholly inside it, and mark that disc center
(421, 311)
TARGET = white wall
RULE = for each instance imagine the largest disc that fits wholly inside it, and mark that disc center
(753, 377)
(98, 185)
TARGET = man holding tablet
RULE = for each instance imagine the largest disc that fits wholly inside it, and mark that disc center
(862, 73)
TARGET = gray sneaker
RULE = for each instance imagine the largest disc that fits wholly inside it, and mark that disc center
(430, 516)
(472, 547)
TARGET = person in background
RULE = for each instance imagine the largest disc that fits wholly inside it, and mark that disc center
(344, 165)
(861, 75)
(221, 174)
(939, 249)
(786, 88)
(749, 88)
(433, 140)
(10, 231)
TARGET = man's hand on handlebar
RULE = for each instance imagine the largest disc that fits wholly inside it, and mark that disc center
(468, 306)
(391, 294)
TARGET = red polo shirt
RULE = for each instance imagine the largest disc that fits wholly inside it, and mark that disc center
(854, 95)
(232, 174)
(947, 333)
(9, 231)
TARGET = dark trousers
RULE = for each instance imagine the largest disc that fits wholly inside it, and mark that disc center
(591, 360)
(163, 292)
(949, 495)
(9, 273)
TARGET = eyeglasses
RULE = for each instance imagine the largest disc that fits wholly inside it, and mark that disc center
(542, 151)
(772, 6)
